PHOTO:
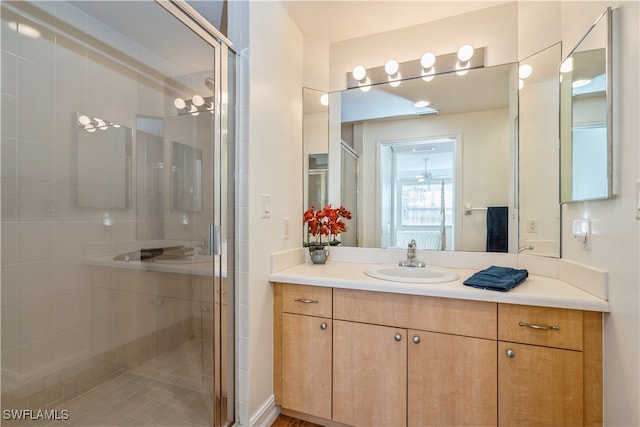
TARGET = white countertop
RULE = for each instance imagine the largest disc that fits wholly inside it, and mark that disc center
(198, 269)
(535, 290)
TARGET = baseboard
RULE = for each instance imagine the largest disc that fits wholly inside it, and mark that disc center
(266, 415)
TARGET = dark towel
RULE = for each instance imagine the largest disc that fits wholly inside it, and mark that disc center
(497, 278)
(497, 229)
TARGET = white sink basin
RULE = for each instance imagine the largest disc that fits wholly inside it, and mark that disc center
(191, 259)
(395, 273)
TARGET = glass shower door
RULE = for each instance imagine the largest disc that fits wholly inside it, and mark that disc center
(117, 215)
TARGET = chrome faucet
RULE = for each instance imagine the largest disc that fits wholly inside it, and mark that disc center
(526, 248)
(411, 257)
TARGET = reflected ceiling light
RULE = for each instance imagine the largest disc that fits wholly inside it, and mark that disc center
(391, 67)
(580, 83)
(427, 76)
(395, 80)
(324, 99)
(428, 60)
(520, 84)
(193, 111)
(84, 120)
(197, 100)
(25, 29)
(525, 71)
(179, 103)
(359, 73)
(421, 104)
(366, 85)
(462, 69)
(465, 53)
(567, 65)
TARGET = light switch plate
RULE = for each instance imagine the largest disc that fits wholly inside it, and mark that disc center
(265, 205)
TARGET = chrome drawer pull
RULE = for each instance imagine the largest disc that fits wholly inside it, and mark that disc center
(306, 301)
(544, 328)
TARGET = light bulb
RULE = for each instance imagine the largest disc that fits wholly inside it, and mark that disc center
(391, 67)
(465, 53)
(427, 76)
(461, 70)
(179, 103)
(197, 100)
(395, 81)
(366, 86)
(428, 60)
(324, 99)
(84, 120)
(525, 71)
(421, 104)
(520, 84)
(359, 73)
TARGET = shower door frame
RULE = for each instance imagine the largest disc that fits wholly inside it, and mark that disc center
(224, 372)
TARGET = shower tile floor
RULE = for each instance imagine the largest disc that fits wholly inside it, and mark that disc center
(167, 391)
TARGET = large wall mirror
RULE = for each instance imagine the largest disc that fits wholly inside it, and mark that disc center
(432, 173)
(436, 172)
(586, 133)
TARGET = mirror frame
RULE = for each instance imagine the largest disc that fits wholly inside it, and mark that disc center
(609, 18)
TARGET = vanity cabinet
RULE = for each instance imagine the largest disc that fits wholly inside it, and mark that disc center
(304, 349)
(398, 359)
(549, 366)
(369, 374)
(451, 380)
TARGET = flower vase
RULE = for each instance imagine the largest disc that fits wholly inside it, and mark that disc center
(319, 254)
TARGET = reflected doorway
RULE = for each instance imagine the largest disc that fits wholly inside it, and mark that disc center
(418, 193)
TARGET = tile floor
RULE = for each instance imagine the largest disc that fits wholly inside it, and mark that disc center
(167, 391)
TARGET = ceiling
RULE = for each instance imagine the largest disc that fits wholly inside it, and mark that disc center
(337, 20)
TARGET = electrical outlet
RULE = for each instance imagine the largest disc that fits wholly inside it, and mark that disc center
(285, 228)
(532, 226)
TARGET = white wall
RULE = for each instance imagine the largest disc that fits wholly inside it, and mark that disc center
(615, 244)
(274, 167)
(495, 28)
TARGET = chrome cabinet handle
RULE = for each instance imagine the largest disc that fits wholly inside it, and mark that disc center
(323, 326)
(511, 353)
(539, 327)
(397, 337)
(306, 301)
(416, 340)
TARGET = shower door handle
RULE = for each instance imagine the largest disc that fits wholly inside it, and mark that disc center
(214, 240)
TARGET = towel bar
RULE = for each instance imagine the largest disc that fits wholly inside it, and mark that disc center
(468, 208)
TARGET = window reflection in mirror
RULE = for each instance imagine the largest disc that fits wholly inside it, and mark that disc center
(586, 146)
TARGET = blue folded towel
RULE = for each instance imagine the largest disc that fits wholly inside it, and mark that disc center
(497, 278)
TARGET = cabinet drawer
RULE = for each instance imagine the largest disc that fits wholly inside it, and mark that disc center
(309, 300)
(550, 327)
(450, 316)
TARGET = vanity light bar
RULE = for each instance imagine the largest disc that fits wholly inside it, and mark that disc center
(411, 69)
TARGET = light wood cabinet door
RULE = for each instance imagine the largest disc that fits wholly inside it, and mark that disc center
(539, 386)
(451, 380)
(306, 364)
(369, 374)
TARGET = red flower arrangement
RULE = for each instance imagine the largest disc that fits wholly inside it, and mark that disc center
(324, 225)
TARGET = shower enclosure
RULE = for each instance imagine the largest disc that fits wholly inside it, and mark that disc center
(117, 224)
